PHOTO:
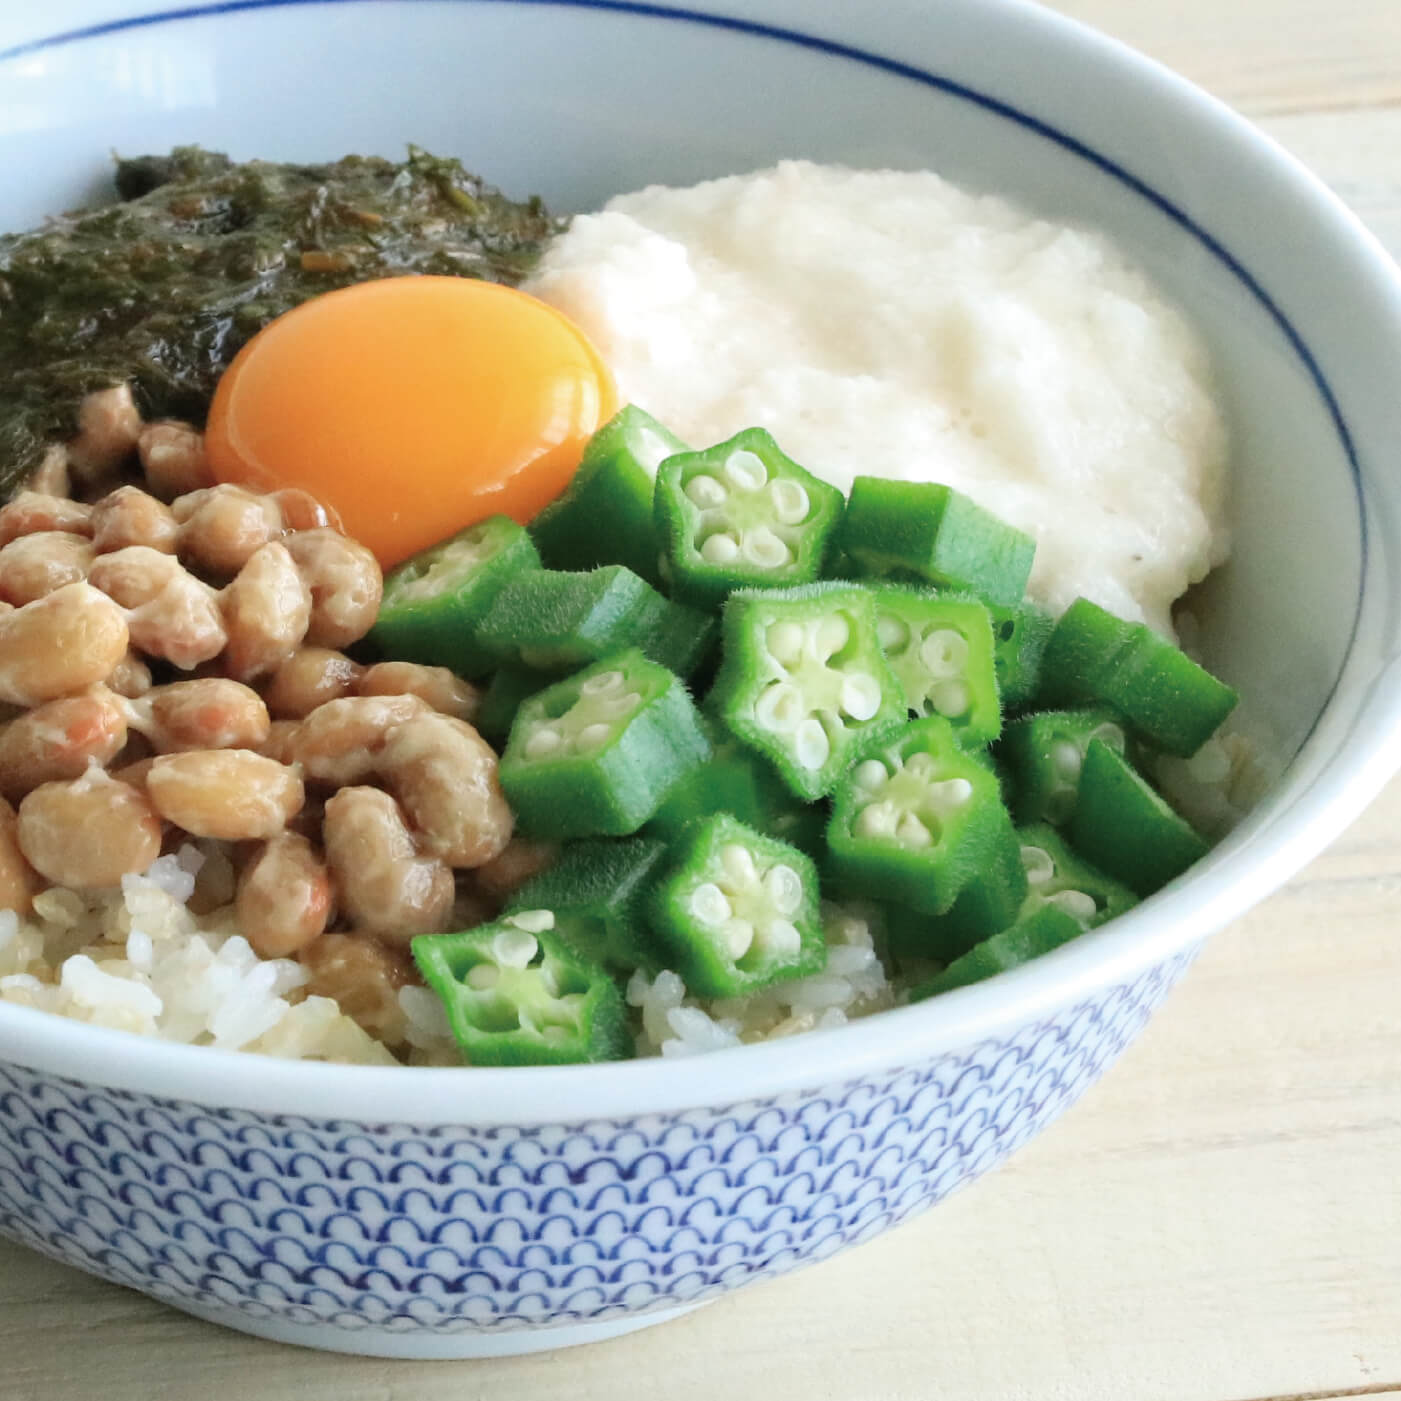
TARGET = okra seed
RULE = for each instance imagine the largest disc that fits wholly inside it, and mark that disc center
(785, 642)
(782, 938)
(951, 698)
(1037, 864)
(876, 820)
(892, 634)
(789, 500)
(1075, 903)
(739, 936)
(1066, 760)
(761, 547)
(514, 948)
(745, 470)
(545, 740)
(920, 764)
(706, 492)
(710, 904)
(781, 707)
(944, 653)
(738, 862)
(860, 696)
(483, 976)
(601, 684)
(532, 921)
(594, 736)
(614, 707)
(720, 548)
(950, 795)
(828, 636)
(871, 774)
(811, 747)
(912, 832)
(784, 887)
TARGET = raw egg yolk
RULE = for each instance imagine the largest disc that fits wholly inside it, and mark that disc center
(414, 406)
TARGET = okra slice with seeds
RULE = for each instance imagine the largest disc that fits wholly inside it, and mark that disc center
(936, 534)
(738, 911)
(598, 891)
(741, 515)
(434, 602)
(916, 819)
(992, 900)
(554, 621)
(1035, 934)
(605, 513)
(515, 993)
(1044, 754)
(1094, 658)
(803, 681)
(596, 754)
(941, 651)
(503, 697)
(1126, 829)
(1058, 876)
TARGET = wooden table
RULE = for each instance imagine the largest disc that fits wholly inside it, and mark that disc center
(1219, 1220)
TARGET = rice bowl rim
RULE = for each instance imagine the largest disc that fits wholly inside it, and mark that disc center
(1292, 825)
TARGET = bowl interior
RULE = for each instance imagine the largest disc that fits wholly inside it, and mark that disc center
(578, 103)
(578, 100)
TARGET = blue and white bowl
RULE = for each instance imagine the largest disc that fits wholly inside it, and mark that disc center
(433, 1213)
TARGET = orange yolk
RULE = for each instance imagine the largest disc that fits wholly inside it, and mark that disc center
(414, 406)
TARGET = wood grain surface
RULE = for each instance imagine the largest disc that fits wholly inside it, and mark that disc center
(1218, 1220)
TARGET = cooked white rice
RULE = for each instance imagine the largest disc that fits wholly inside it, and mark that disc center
(853, 984)
(137, 959)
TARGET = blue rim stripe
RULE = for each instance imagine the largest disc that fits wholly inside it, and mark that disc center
(778, 33)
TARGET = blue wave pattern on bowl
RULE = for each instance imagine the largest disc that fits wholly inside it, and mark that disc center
(455, 1229)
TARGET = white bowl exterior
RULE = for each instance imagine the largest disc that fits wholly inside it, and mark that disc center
(452, 1239)
(1065, 121)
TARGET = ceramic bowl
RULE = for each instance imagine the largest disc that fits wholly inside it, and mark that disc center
(450, 1213)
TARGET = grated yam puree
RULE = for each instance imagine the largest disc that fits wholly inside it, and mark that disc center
(889, 323)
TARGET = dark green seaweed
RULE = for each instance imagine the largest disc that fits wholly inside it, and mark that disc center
(162, 288)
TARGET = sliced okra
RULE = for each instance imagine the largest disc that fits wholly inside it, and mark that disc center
(605, 513)
(941, 651)
(915, 819)
(515, 993)
(434, 602)
(741, 515)
(596, 754)
(936, 534)
(1044, 754)
(554, 621)
(508, 689)
(991, 901)
(738, 911)
(734, 780)
(1020, 633)
(1031, 936)
(598, 891)
(1094, 658)
(803, 681)
(1126, 829)
(1058, 876)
